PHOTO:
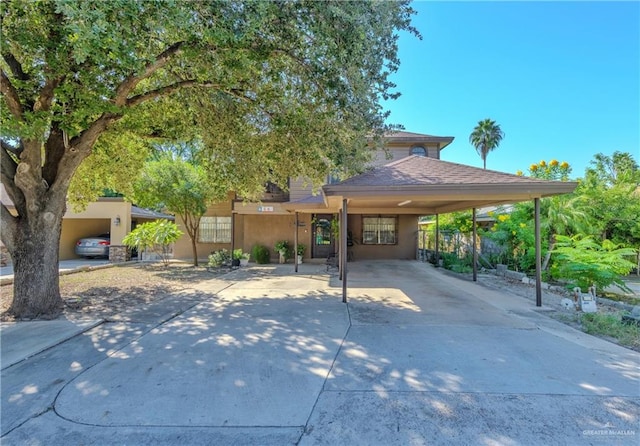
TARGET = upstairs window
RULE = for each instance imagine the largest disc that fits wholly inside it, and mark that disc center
(380, 230)
(419, 150)
(214, 230)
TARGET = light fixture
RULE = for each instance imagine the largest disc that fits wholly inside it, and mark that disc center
(116, 221)
(404, 203)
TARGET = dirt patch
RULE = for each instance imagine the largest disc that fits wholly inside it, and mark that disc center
(100, 293)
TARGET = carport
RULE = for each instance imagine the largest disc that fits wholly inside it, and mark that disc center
(421, 186)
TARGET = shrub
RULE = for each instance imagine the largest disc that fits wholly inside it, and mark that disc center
(157, 235)
(583, 262)
(219, 258)
(260, 253)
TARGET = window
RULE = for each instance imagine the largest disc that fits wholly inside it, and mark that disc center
(380, 230)
(419, 150)
(214, 230)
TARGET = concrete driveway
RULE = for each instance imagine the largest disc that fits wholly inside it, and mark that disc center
(268, 357)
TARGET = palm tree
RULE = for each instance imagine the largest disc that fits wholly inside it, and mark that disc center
(485, 137)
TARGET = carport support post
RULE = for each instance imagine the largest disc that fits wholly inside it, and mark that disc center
(295, 243)
(536, 202)
(437, 259)
(475, 251)
(343, 249)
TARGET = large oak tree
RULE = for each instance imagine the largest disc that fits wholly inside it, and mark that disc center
(268, 87)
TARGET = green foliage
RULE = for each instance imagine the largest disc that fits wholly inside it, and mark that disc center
(515, 233)
(157, 235)
(611, 325)
(283, 247)
(222, 257)
(261, 254)
(302, 248)
(171, 184)
(268, 88)
(611, 193)
(584, 262)
(485, 137)
(239, 255)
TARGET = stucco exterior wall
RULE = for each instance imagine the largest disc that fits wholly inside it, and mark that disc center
(404, 250)
(269, 229)
(182, 248)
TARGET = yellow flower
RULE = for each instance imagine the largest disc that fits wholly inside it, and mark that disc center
(491, 213)
(519, 173)
(523, 225)
(503, 218)
(564, 165)
(513, 232)
(543, 163)
(553, 163)
(533, 167)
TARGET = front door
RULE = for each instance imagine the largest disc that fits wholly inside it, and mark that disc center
(323, 241)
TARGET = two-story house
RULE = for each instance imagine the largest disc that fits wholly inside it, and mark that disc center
(383, 205)
(377, 233)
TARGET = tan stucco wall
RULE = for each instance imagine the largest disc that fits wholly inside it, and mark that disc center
(268, 229)
(404, 250)
(182, 248)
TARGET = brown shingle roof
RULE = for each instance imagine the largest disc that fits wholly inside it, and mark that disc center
(422, 171)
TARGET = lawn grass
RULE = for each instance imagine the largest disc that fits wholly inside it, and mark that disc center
(610, 324)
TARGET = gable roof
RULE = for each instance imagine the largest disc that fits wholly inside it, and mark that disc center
(418, 138)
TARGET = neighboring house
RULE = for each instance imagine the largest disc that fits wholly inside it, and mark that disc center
(113, 216)
(383, 205)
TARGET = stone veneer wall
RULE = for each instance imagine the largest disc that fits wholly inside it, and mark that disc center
(119, 253)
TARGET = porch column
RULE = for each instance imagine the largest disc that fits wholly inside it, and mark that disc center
(475, 251)
(343, 248)
(437, 263)
(536, 202)
(295, 243)
(233, 232)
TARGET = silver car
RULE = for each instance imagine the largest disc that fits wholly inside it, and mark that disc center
(96, 246)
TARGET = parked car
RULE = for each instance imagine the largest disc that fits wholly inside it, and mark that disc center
(96, 246)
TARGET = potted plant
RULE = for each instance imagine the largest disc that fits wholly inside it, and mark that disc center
(237, 256)
(244, 259)
(283, 249)
(301, 250)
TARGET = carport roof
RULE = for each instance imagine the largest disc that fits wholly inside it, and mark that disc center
(422, 185)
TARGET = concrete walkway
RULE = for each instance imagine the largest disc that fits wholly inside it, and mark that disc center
(263, 356)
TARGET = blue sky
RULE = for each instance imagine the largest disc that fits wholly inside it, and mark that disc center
(561, 78)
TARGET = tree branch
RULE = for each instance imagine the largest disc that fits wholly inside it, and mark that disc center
(43, 103)
(167, 90)
(11, 96)
(15, 66)
(123, 90)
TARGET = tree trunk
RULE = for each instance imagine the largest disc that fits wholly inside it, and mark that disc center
(36, 290)
(194, 247)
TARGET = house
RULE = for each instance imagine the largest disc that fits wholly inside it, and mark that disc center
(383, 205)
(237, 224)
